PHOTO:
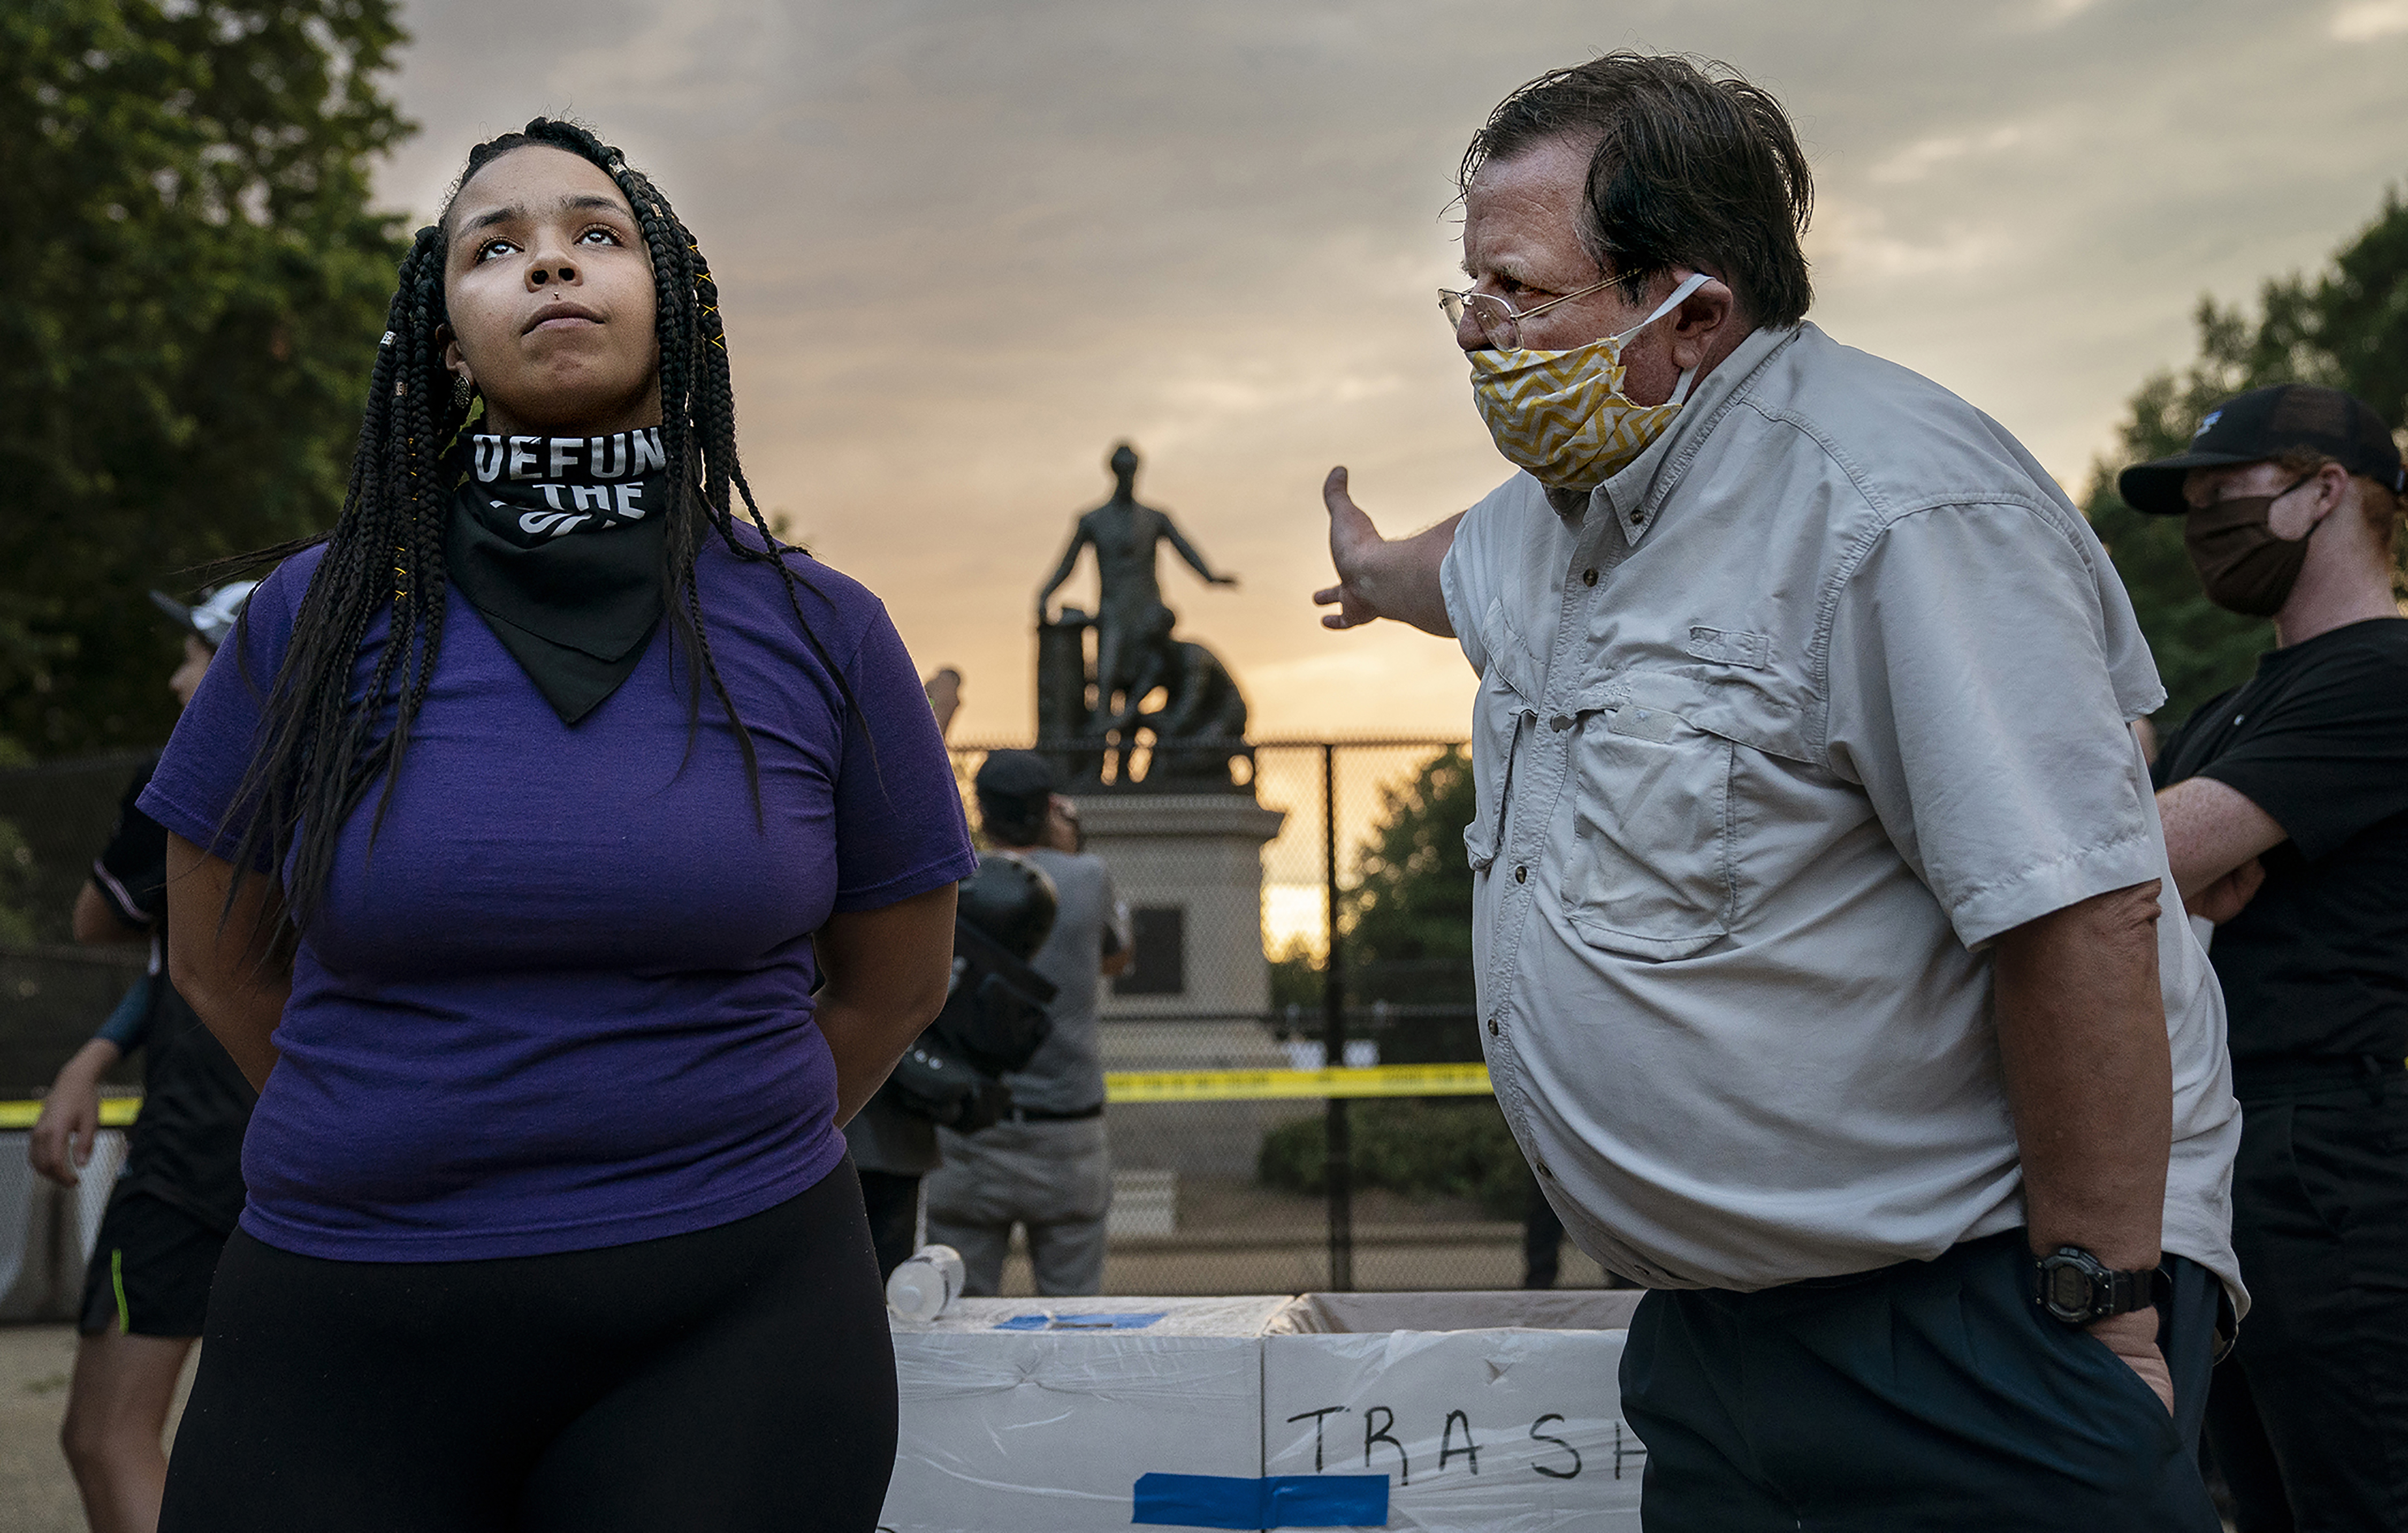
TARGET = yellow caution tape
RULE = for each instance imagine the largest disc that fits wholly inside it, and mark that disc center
(1123, 1086)
(115, 1112)
(1119, 1086)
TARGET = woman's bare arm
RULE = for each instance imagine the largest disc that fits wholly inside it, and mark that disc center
(886, 971)
(220, 958)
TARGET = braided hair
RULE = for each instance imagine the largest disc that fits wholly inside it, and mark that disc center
(324, 746)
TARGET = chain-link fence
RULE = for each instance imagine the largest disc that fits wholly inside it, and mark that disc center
(1233, 1188)
(1228, 1189)
(53, 821)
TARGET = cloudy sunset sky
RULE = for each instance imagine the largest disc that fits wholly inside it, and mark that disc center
(964, 247)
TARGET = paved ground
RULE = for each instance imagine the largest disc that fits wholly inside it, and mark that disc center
(37, 1495)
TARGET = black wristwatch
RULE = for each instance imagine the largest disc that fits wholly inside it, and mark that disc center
(2077, 1288)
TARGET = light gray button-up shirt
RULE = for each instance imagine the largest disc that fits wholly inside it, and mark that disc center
(1821, 694)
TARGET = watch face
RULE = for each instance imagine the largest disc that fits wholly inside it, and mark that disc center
(2066, 1289)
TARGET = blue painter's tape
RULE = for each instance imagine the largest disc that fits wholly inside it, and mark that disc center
(1279, 1500)
(1079, 1322)
(1326, 1501)
(1198, 1501)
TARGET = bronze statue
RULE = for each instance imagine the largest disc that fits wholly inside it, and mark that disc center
(1202, 721)
(1200, 726)
(1126, 535)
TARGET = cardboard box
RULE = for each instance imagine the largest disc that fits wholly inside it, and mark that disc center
(1494, 1411)
(1436, 1412)
(1040, 1415)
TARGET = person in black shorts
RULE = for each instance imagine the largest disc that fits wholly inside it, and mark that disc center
(147, 1289)
(2286, 810)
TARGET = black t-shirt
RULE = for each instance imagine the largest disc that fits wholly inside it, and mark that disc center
(2318, 963)
(186, 1146)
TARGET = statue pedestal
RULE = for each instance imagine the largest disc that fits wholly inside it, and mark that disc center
(1190, 866)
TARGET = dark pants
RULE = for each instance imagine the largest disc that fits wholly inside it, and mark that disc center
(2309, 1418)
(892, 1203)
(1925, 1396)
(735, 1378)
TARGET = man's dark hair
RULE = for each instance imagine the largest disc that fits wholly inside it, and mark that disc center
(1694, 167)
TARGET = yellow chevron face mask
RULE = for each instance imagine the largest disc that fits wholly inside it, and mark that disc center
(1562, 415)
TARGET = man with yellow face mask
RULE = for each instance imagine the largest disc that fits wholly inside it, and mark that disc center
(1816, 914)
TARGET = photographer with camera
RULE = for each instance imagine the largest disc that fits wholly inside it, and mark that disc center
(1044, 1164)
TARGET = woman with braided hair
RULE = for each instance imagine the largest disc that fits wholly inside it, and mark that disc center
(565, 860)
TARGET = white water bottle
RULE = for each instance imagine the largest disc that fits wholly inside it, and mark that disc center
(925, 1285)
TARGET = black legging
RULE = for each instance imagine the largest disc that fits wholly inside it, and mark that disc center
(734, 1379)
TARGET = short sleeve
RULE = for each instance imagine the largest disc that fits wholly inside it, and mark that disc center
(1971, 696)
(130, 872)
(2329, 758)
(901, 829)
(1457, 574)
(1468, 574)
(1119, 932)
(193, 791)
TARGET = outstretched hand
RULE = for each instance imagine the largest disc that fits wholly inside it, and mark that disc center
(1355, 546)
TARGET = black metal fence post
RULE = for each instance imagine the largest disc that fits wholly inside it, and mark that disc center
(1337, 1165)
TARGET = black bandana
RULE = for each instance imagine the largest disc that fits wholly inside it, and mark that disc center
(574, 608)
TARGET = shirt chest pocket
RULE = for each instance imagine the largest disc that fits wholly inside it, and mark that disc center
(1651, 871)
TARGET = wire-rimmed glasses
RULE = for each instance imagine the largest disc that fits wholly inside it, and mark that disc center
(1501, 323)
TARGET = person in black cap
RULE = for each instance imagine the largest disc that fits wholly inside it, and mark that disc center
(1046, 1166)
(147, 1289)
(2286, 810)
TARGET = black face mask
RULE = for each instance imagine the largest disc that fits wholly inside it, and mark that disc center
(557, 540)
(2242, 565)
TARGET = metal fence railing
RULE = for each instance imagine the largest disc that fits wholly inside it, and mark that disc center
(1236, 1184)
(1257, 1181)
(53, 821)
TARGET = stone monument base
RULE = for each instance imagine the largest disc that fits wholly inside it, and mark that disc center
(1190, 867)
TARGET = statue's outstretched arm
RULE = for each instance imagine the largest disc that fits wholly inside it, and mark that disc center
(1188, 551)
(1079, 538)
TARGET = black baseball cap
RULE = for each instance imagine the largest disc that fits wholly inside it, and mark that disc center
(1014, 774)
(2266, 423)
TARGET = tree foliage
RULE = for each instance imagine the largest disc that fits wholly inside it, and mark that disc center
(1412, 903)
(2346, 328)
(1405, 922)
(196, 284)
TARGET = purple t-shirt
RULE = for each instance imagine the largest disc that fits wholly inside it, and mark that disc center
(567, 1004)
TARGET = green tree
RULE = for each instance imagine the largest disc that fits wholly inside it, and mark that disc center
(195, 285)
(2348, 328)
(1405, 923)
(1407, 919)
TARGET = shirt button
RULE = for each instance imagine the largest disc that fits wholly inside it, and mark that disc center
(1492, 1027)
(1522, 874)
(1638, 518)
(1588, 577)
(1546, 1171)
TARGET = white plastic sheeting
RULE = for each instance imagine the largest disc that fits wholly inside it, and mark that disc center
(47, 1230)
(1490, 1411)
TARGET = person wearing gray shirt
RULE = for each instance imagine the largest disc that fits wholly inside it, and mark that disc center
(1831, 972)
(1046, 1166)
